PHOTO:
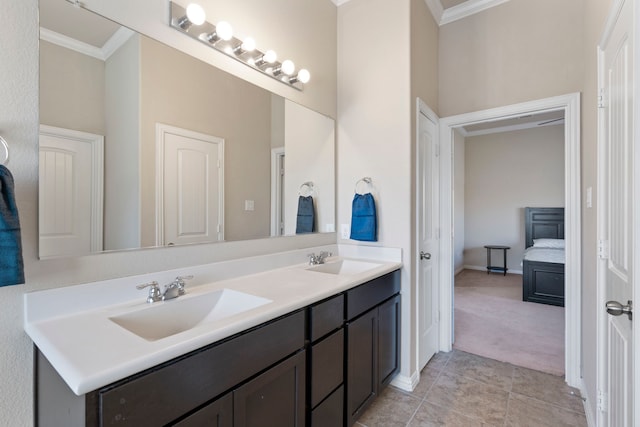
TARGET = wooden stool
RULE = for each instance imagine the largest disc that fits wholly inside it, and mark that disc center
(490, 267)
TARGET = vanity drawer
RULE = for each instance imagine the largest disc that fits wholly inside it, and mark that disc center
(327, 366)
(329, 413)
(372, 293)
(164, 393)
(326, 317)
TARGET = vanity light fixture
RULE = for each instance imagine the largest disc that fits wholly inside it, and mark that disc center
(194, 15)
(192, 21)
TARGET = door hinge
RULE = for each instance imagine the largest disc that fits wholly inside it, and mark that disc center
(603, 401)
(603, 249)
(218, 228)
(601, 103)
(437, 147)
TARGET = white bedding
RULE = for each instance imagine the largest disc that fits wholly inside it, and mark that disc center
(544, 255)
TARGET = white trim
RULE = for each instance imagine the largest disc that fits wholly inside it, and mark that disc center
(571, 105)
(119, 38)
(339, 2)
(406, 383)
(422, 108)
(97, 178)
(161, 130)
(276, 181)
(589, 409)
(468, 8)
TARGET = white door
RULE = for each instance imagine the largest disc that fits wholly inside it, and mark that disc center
(428, 223)
(70, 192)
(191, 180)
(617, 231)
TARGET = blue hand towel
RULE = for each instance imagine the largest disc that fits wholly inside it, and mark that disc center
(306, 221)
(364, 222)
(11, 264)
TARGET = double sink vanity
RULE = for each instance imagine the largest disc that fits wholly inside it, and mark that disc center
(295, 345)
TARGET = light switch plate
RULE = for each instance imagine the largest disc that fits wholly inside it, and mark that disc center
(249, 205)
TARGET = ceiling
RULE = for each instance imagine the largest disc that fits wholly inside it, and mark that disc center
(529, 121)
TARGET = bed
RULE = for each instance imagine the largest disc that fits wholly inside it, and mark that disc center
(543, 263)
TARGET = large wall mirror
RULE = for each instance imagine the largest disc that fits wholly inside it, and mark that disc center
(142, 145)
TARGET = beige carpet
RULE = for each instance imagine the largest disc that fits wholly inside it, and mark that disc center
(491, 320)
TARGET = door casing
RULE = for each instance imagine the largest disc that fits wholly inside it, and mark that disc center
(570, 103)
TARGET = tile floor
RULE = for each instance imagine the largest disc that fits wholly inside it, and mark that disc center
(462, 389)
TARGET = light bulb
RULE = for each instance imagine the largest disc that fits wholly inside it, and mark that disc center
(224, 30)
(270, 57)
(249, 44)
(195, 14)
(288, 67)
(304, 76)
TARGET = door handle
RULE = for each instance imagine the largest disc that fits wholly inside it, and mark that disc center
(425, 255)
(614, 308)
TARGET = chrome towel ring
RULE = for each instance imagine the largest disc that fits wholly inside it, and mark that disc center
(5, 146)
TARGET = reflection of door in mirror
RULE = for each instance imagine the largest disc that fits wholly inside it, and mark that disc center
(71, 177)
(190, 186)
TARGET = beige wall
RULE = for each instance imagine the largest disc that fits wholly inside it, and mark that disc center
(504, 173)
(71, 89)
(182, 91)
(518, 51)
(122, 149)
(19, 125)
(374, 130)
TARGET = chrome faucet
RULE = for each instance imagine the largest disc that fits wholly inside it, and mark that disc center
(171, 291)
(318, 259)
(175, 288)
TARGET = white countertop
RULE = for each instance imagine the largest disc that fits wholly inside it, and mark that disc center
(90, 351)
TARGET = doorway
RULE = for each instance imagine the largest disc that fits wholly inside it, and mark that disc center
(570, 104)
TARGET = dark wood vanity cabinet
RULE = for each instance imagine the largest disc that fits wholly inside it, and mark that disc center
(170, 392)
(373, 338)
(320, 366)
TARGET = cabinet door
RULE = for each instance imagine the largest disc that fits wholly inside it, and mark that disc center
(275, 398)
(216, 414)
(362, 364)
(388, 340)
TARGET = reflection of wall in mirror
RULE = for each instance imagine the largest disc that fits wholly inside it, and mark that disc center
(178, 90)
(182, 91)
(309, 148)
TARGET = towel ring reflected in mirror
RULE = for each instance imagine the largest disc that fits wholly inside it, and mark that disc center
(5, 146)
(306, 189)
(369, 185)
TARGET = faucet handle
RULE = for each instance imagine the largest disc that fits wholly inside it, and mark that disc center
(153, 284)
(154, 291)
(179, 282)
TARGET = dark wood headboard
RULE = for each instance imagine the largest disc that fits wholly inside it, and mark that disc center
(543, 223)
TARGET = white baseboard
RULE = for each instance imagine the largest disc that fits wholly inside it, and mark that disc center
(484, 268)
(589, 409)
(406, 383)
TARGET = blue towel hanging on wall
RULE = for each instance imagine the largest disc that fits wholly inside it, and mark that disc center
(306, 220)
(364, 221)
(11, 263)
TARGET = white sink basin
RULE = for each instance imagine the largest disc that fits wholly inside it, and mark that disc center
(344, 267)
(163, 319)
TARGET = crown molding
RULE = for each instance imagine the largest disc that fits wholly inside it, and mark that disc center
(339, 2)
(114, 43)
(468, 8)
